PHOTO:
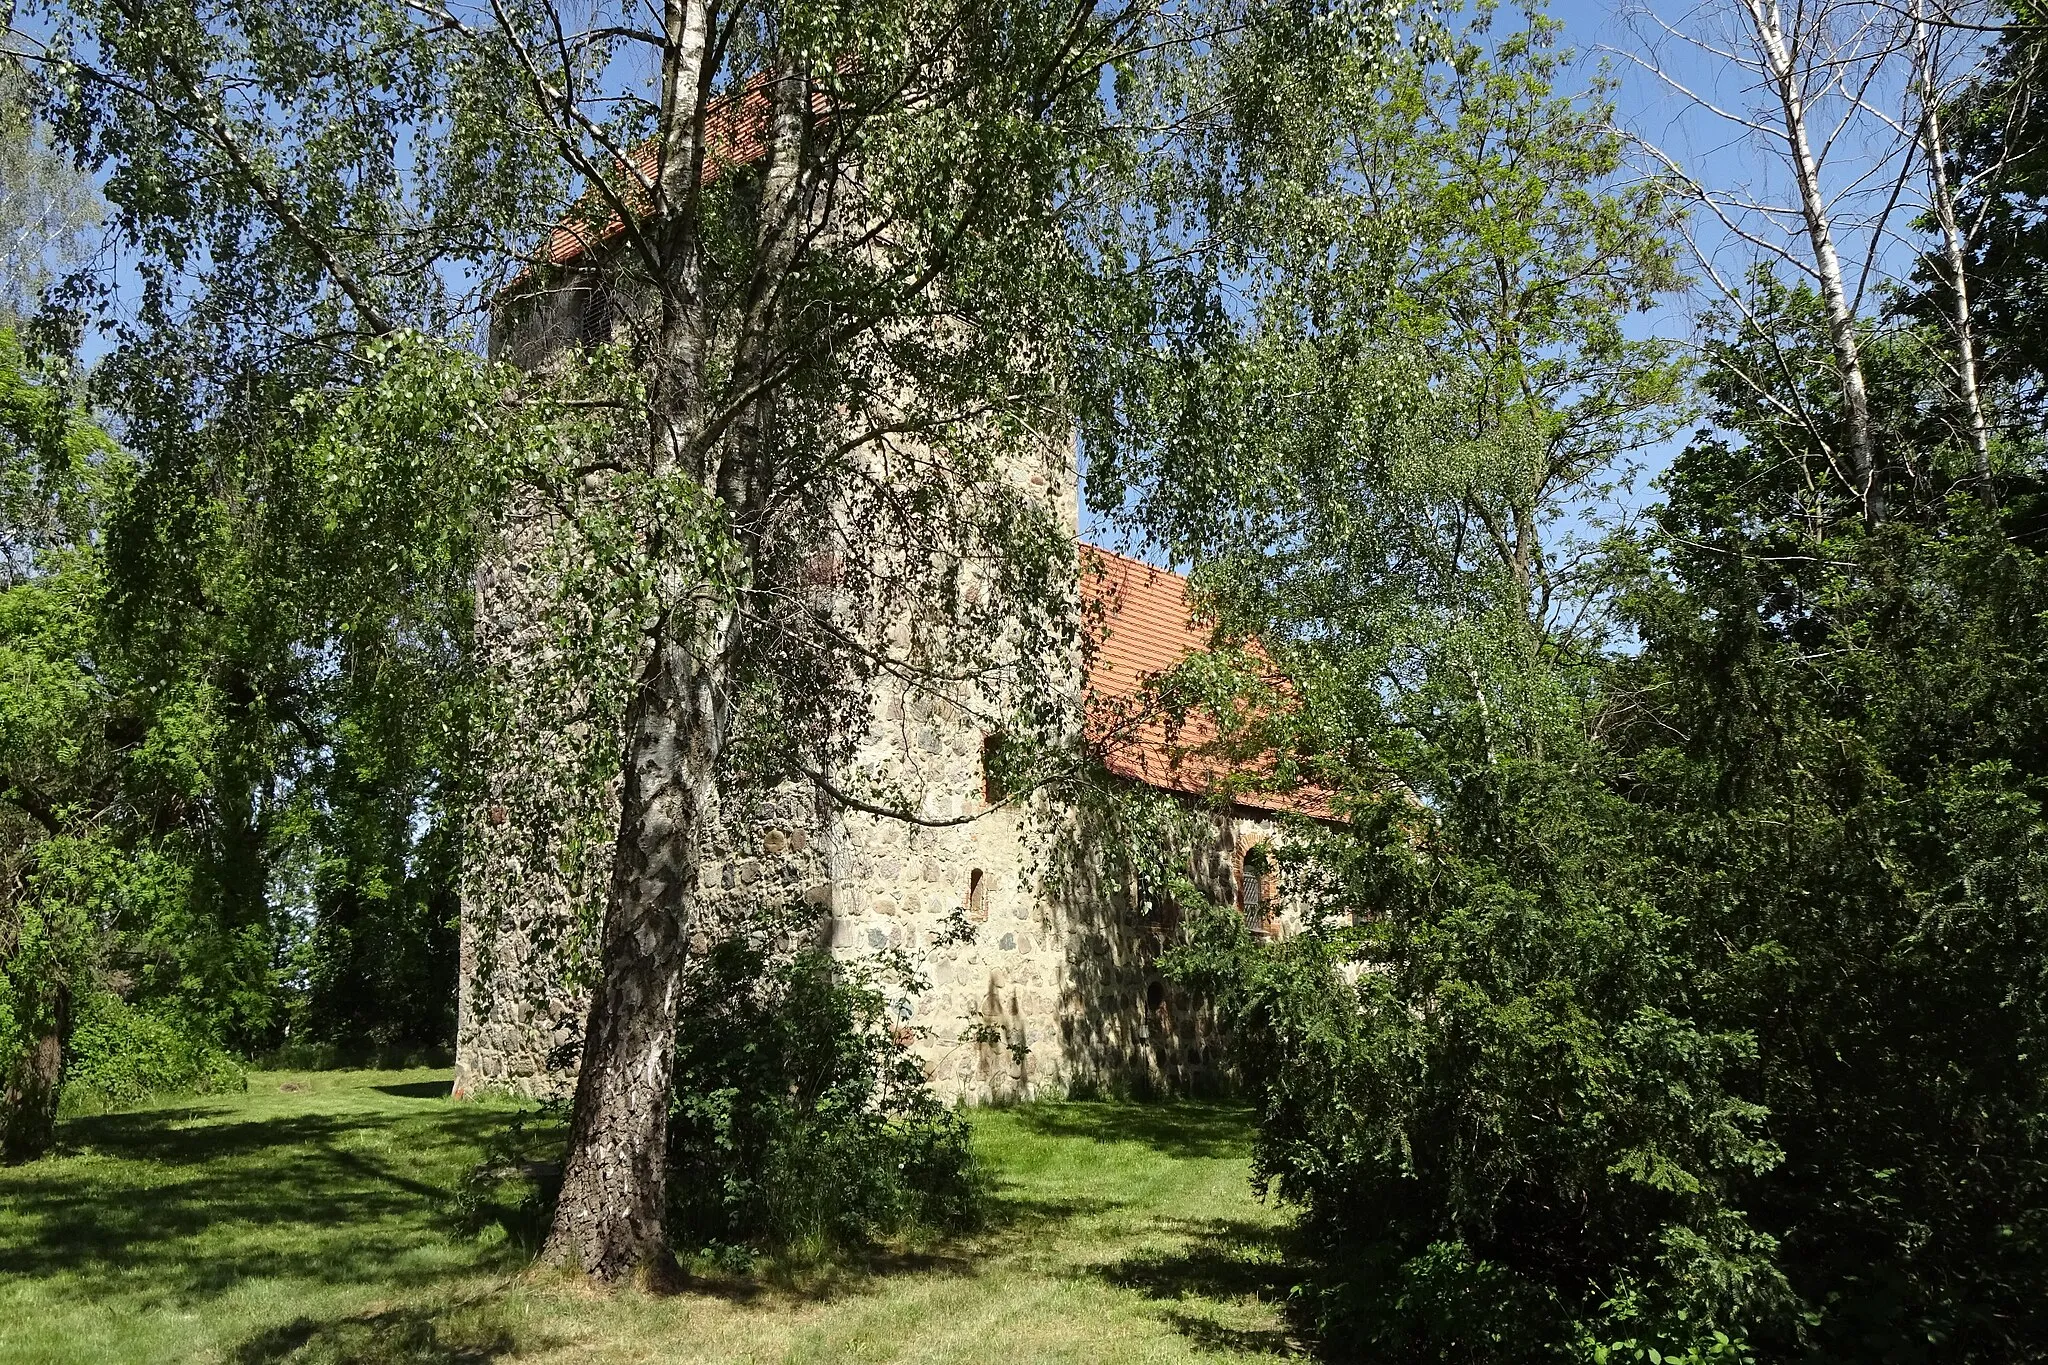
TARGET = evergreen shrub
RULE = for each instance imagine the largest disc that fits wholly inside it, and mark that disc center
(1508, 1136)
(1716, 1029)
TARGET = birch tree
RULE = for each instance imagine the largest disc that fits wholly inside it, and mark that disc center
(1991, 134)
(841, 240)
(46, 207)
(1932, 88)
(1796, 70)
(1843, 99)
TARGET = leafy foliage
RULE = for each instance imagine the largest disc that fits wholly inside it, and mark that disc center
(1509, 1131)
(64, 848)
(800, 1118)
(234, 708)
(1668, 1002)
(1700, 1014)
(1842, 758)
(292, 601)
(47, 205)
(122, 1053)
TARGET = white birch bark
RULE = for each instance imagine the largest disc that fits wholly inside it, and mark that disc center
(1941, 196)
(1786, 75)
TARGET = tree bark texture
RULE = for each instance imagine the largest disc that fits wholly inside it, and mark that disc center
(609, 1219)
(1953, 247)
(28, 1108)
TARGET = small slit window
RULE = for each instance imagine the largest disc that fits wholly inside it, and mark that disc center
(1156, 907)
(994, 783)
(1155, 1020)
(1255, 883)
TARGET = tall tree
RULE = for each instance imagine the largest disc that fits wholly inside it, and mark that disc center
(1420, 319)
(1478, 1078)
(186, 724)
(1796, 63)
(1932, 92)
(1845, 100)
(59, 825)
(1832, 739)
(838, 243)
(1993, 143)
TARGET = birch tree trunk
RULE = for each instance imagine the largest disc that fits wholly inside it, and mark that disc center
(609, 1220)
(1786, 77)
(1942, 196)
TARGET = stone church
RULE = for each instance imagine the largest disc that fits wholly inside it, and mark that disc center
(1058, 990)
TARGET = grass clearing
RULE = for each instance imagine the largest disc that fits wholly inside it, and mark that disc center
(311, 1220)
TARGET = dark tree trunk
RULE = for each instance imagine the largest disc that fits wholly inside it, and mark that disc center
(28, 1109)
(609, 1220)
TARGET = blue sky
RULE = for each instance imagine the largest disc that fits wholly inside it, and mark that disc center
(1708, 146)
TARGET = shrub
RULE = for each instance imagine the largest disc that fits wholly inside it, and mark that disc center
(1510, 1135)
(46, 951)
(123, 1053)
(1717, 1029)
(1845, 768)
(800, 1119)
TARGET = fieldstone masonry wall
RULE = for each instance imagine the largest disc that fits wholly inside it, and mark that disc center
(1059, 990)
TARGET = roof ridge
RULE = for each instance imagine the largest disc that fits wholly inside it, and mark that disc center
(1092, 548)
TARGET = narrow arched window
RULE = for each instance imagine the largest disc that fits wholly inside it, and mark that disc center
(1158, 1024)
(1156, 907)
(594, 315)
(977, 897)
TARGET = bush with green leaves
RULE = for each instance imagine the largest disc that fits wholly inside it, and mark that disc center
(123, 1053)
(1680, 991)
(800, 1121)
(199, 761)
(1717, 1027)
(1511, 1130)
(1844, 747)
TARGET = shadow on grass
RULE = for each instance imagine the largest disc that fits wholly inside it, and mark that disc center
(418, 1090)
(193, 1208)
(777, 1280)
(1183, 1129)
(409, 1335)
(1224, 1260)
(180, 1205)
(1010, 1221)
(1014, 1216)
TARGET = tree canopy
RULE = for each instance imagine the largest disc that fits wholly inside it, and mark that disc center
(1670, 986)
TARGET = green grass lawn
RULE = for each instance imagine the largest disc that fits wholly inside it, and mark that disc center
(312, 1220)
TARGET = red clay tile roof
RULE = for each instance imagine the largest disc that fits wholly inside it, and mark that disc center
(1139, 625)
